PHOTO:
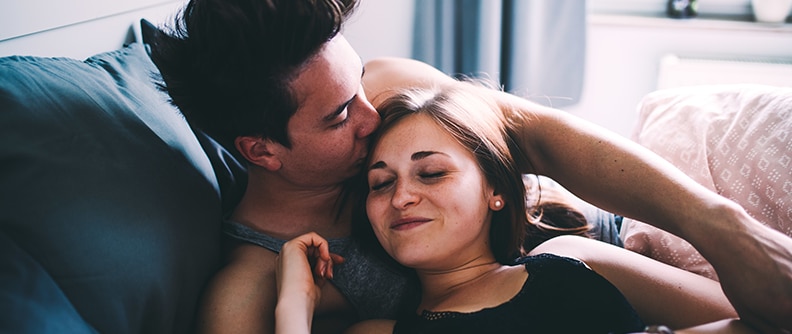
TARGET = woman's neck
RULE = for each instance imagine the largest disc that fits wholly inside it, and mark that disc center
(470, 287)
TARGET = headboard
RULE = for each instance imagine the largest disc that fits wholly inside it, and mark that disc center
(76, 29)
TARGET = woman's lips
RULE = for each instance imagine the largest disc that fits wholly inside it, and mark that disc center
(408, 223)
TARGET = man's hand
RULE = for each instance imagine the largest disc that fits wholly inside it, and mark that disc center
(755, 271)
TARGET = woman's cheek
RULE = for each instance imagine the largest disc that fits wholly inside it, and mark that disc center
(375, 212)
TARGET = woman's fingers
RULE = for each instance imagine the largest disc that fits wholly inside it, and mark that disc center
(315, 250)
(334, 259)
(324, 267)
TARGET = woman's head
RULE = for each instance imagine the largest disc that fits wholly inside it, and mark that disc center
(441, 176)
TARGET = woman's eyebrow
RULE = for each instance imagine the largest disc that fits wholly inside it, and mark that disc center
(414, 157)
(378, 165)
(423, 154)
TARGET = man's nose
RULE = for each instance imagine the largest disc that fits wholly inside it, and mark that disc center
(369, 119)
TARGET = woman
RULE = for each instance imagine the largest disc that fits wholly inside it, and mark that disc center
(446, 200)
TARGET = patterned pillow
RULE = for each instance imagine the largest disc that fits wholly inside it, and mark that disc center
(733, 139)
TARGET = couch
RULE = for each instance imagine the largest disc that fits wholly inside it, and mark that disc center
(110, 204)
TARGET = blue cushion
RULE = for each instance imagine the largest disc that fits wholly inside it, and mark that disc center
(106, 189)
(29, 293)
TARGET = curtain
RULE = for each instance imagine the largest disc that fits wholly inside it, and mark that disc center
(533, 48)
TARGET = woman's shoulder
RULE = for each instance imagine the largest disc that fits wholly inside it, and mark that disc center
(563, 274)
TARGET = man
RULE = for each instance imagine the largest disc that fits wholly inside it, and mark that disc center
(274, 79)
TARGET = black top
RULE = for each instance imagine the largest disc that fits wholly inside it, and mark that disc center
(561, 295)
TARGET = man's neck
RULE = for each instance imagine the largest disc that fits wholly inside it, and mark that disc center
(284, 210)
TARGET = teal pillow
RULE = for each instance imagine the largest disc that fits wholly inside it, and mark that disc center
(30, 301)
(107, 190)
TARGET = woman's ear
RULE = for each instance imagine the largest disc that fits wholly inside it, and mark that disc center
(258, 151)
(496, 203)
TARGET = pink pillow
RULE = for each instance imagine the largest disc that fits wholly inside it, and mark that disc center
(733, 139)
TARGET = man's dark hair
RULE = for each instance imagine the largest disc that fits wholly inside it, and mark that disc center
(227, 64)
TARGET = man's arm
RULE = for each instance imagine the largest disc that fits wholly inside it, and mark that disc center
(754, 262)
(241, 297)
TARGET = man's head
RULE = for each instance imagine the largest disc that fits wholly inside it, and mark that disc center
(252, 72)
(227, 64)
(330, 129)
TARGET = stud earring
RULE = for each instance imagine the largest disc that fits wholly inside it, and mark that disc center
(498, 204)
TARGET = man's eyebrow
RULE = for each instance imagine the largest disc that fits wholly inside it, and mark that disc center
(330, 117)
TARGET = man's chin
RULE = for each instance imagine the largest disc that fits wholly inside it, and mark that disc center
(360, 164)
(356, 172)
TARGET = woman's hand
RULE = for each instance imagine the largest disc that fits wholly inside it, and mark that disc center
(304, 263)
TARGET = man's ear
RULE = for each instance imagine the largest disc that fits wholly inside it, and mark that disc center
(259, 151)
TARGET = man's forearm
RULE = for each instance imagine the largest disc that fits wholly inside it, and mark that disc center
(610, 171)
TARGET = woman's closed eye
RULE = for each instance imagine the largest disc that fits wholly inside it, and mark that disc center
(379, 182)
(376, 185)
(432, 175)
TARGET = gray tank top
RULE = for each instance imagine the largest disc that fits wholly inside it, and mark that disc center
(374, 289)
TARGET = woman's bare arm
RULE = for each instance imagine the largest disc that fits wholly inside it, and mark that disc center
(661, 294)
(727, 326)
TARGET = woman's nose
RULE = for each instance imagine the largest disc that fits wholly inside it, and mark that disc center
(404, 195)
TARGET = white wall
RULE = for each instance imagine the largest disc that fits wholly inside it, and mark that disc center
(76, 29)
(79, 29)
(623, 56)
(382, 28)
